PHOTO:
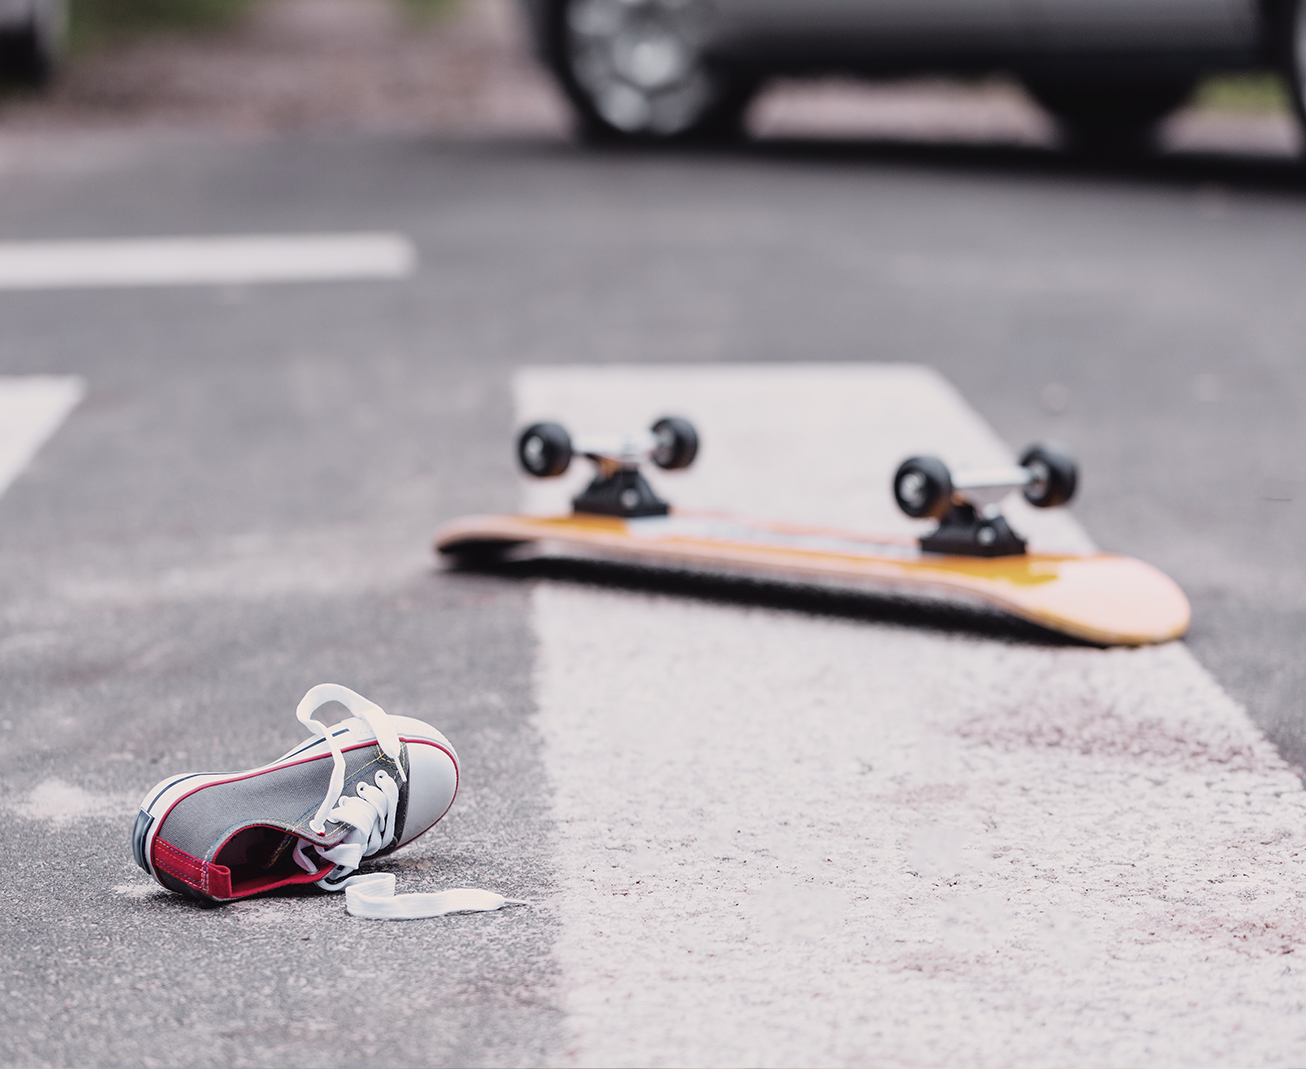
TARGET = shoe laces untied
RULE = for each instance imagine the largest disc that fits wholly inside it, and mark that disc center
(224, 837)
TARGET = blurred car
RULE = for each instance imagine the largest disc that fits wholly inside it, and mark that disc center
(31, 40)
(1108, 69)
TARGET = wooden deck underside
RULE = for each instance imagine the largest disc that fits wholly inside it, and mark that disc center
(1102, 597)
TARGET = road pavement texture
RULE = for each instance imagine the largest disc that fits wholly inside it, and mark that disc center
(799, 837)
(241, 506)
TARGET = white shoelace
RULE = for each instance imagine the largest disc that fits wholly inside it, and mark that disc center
(387, 737)
(373, 896)
(370, 815)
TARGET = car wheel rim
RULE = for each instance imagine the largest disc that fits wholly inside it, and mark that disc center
(640, 62)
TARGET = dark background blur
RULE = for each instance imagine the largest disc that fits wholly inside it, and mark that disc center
(460, 67)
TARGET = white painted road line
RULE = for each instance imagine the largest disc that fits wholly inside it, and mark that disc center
(31, 409)
(792, 840)
(177, 261)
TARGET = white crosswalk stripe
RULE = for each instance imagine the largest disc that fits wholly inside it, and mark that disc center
(31, 409)
(785, 839)
(232, 260)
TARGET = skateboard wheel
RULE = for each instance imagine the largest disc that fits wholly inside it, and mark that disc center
(677, 443)
(1055, 475)
(544, 450)
(923, 487)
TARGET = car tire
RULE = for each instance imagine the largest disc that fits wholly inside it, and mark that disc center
(1109, 116)
(1291, 48)
(637, 71)
(29, 55)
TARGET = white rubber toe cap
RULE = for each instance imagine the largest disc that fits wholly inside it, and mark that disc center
(432, 776)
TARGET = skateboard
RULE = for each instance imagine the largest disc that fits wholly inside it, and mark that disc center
(972, 554)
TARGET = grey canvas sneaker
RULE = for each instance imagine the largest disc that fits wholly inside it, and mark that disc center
(360, 789)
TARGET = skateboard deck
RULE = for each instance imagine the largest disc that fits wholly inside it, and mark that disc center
(1102, 598)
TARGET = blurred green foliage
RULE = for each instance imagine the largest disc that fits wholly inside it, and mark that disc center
(92, 22)
(430, 9)
(1244, 92)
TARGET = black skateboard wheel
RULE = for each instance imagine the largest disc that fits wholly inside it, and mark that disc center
(677, 443)
(1055, 475)
(544, 450)
(923, 488)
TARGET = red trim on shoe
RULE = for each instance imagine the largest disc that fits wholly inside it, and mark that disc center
(267, 883)
(212, 881)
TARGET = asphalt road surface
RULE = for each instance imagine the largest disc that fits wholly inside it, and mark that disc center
(241, 506)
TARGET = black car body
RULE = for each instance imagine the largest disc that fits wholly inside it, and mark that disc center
(660, 69)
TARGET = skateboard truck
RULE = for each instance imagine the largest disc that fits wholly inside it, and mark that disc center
(618, 487)
(965, 504)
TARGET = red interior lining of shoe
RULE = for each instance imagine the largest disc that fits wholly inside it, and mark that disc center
(261, 859)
